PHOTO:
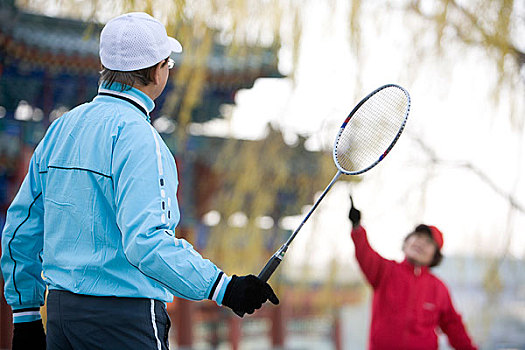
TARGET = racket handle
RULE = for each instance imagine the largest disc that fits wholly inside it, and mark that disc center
(266, 273)
(269, 268)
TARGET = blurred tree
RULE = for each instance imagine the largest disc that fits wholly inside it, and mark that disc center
(262, 179)
(493, 27)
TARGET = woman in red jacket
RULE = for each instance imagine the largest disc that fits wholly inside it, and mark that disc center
(409, 302)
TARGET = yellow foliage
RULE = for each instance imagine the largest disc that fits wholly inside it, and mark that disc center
(262, 178)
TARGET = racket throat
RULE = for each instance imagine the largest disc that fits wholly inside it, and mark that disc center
(280, 253)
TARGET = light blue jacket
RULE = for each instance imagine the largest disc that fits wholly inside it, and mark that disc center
(97, 210)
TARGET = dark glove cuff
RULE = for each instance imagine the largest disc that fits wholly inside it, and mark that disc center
(29, 335)
(226, 300)
(29, 326)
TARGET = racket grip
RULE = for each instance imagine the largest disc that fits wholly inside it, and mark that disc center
(269, 268)
(265, 274)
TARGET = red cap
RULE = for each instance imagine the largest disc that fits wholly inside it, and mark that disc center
(437, 236)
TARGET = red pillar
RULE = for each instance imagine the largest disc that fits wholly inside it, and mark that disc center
(183, 324)
(338, 340)
(6, 316)
(6, 326)
(278, 329)
(184, 315)
(235, 332)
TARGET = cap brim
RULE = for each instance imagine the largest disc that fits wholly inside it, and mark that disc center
(175, 46)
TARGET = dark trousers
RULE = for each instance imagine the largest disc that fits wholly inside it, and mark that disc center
(80, 322)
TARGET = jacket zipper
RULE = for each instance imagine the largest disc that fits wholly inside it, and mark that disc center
(416, 273)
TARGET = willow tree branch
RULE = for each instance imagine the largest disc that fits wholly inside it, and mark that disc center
(468, 37)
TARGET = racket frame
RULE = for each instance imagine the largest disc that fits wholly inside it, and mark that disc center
(347, 120)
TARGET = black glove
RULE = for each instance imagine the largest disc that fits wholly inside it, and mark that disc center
(246, 294)
(29, 335)
(354, 215)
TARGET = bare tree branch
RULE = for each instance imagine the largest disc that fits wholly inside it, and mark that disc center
(472, 168)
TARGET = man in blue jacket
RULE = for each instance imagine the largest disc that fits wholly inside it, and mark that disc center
(94, 219)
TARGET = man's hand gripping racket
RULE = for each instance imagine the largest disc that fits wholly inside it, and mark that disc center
(366, 136)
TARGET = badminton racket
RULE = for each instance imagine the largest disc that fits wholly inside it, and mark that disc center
(366, 136)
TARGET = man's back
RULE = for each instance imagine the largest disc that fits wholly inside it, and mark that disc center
(83, 248)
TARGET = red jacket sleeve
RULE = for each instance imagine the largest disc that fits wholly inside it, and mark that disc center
(451, 324)
(372, 264)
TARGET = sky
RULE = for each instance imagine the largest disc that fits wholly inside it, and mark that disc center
(453, 112)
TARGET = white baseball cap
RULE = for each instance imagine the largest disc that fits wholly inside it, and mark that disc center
(135, 41)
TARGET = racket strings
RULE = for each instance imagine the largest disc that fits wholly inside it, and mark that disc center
(372, 129)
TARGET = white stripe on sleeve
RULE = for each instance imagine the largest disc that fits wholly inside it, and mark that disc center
(157, 150)
(219, 286)
(26, 313)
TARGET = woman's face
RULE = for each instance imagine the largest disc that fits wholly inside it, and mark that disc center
(419, 249)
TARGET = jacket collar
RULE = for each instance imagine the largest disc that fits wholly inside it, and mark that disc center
(416, 270)
(134, 96)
